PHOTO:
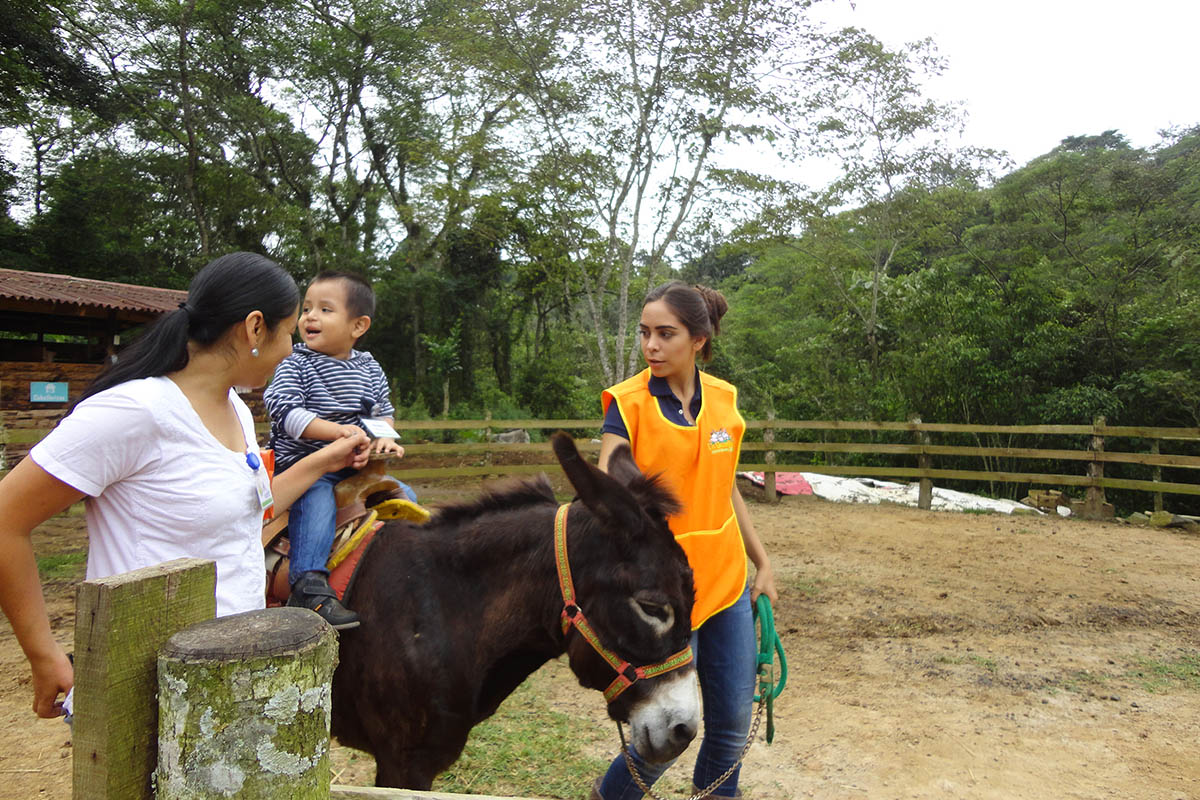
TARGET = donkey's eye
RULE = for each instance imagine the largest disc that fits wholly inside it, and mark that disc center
(656, 610)
(659, 616)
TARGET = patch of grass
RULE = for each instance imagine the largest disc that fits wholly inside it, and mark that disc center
(1158, 675)
(801, 584)
(988, 664)
(1077, 680)
(527, 750)
(62, 566)
(980, 511)
(982, 662)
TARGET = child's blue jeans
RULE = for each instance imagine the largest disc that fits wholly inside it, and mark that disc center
(311, 522)
(726, 659)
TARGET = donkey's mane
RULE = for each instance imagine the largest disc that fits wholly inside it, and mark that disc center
(504, 497)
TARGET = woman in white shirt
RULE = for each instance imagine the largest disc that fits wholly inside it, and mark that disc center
(164, 453)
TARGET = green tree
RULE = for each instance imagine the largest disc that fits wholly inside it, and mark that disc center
(193, 78)
(108, 218)
(36, 65)
(631, 102)
(868, 110)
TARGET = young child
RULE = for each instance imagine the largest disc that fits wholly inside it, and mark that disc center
(320, 393)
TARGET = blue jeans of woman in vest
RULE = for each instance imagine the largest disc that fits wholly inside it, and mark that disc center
(726, 660)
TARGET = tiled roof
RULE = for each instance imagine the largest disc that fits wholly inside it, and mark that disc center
(47, 287)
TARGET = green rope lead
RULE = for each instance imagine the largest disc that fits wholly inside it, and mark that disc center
(768, 645)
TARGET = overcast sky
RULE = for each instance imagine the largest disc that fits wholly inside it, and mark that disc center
(1033, 72)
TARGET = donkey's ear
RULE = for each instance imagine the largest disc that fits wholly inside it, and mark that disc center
(622, 466)
(649, 490)
(602, 494)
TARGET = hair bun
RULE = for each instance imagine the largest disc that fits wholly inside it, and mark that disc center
(717, 306)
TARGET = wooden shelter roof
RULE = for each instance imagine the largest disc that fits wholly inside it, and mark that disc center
(65, 294)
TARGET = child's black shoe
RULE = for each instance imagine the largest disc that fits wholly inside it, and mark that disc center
(312, 591)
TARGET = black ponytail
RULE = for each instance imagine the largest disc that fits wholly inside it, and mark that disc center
(221, 294)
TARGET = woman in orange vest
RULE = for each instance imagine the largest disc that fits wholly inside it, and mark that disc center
(684, 424)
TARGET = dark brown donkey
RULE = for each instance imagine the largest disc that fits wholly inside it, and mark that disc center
(458, 612)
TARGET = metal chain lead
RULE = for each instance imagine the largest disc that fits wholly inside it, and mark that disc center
(700, 795)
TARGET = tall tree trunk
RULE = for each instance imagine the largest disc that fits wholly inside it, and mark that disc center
(189, 126)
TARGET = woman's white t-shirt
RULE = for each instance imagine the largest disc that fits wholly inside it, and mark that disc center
(160, 486)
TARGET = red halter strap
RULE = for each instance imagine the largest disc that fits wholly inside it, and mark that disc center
(572, 614)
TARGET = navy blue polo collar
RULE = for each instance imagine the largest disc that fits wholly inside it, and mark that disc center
(658, 387)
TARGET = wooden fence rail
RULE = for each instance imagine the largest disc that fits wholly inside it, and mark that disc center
(922, 454)
(914, 460)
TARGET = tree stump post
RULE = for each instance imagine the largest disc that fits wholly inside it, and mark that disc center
(120, 623)
(769, 492)
(924, 461)
(244, 707)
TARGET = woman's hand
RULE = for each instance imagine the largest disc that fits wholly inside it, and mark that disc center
(764, 583)
(387, 445)
(52, 676)
(348, 432)
(347, 451)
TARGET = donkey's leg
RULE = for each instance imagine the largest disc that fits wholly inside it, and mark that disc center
(415, 768)
(395, 771)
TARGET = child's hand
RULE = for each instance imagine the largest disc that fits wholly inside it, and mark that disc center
(387, 445)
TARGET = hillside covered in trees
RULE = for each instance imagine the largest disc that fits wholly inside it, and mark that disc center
(513, 174)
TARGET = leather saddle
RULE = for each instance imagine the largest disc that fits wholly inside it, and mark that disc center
(364, 501)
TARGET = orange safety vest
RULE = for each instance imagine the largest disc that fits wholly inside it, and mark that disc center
(698, 464)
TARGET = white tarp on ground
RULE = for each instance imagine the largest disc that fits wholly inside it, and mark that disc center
(870, 490)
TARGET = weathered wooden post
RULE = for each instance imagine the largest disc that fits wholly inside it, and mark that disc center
(487, 435)
(244, 707)
(769, 476)
(1094, 505)
(1157, 477)
(120, 623)
(924, 462)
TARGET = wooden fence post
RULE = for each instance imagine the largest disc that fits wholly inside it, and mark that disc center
(769, 477)
(924, 461)
(1094, 505)
(120, 623)
(487, 435)
(1157, 476)
(244, 707)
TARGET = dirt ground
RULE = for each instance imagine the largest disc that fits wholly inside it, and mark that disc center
(931, 655)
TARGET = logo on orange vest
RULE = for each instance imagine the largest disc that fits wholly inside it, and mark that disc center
(719, 441)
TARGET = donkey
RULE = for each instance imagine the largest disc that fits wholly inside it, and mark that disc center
(458, 612)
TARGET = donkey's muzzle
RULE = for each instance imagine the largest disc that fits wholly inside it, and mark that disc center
(666, 720)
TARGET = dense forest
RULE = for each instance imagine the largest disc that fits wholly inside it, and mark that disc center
(513, 174)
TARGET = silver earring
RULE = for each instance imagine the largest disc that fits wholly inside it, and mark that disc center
(254, 352)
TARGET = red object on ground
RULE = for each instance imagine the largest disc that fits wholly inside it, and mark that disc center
(785, 482)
